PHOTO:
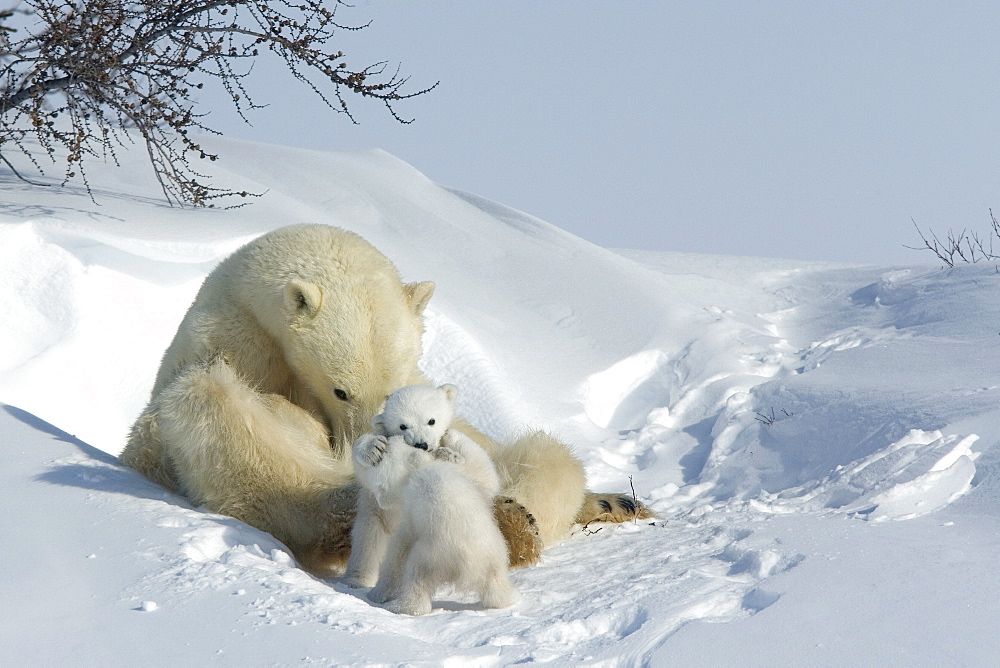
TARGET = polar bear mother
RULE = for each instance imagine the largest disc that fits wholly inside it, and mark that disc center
(289, 349)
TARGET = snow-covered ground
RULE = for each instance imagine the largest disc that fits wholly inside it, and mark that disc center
(819, 441)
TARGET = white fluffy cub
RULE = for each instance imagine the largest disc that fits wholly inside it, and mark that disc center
(425, 508)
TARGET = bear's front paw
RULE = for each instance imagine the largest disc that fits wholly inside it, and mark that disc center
(446, 454)
(452, 440)
(524, 545)
(370, 449)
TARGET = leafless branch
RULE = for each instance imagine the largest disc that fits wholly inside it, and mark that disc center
(965, 246)
(86, 74)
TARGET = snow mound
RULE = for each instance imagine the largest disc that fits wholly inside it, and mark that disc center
(920, 473)
(764, 409)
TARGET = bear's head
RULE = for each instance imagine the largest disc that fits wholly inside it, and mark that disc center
(348, 328)
(419, 413)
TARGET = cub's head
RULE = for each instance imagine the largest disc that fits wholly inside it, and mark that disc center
(419, 413)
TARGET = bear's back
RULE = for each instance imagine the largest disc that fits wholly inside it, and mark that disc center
(440, 497)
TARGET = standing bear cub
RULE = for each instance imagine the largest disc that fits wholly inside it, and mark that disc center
(425, 508)
(289, 350)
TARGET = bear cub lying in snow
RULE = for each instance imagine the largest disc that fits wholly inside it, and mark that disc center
(425, 508)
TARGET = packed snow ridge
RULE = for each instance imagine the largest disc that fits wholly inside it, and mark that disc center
(776, 415)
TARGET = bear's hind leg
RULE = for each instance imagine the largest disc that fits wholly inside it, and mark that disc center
(260, 459)
(497, 591)
(394, 568)
(415, 600)
(611, 508)
(542, 474)
(144, 452)
(368, 544)
(413, 596)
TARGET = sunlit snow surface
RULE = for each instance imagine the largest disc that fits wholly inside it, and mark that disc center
(818, 441)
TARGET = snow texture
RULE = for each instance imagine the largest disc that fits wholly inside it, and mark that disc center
(819, 442)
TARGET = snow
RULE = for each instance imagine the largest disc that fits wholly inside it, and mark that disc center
(819, 441)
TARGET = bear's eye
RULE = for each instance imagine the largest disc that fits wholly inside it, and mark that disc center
(340, 394)
(403, 427)
(431, 422)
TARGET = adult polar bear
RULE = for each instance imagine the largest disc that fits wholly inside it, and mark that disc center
(289, 349)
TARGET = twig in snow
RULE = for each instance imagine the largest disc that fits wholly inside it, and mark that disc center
(766, 419)
(634, 500)
(769, 419)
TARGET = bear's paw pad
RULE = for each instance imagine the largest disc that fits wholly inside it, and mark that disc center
(519, 530)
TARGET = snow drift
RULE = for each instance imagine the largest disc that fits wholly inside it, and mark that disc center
(776, 415)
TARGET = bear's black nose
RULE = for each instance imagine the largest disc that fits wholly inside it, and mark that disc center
(422, 446)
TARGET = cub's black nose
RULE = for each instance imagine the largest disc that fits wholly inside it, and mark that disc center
(422, 446)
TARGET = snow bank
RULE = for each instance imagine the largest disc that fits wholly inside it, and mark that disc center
(776, 415)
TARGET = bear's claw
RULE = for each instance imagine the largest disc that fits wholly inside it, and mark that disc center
(371, 450)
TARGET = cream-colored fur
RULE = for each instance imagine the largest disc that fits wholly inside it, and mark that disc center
(297, 338)
(544, 476)
(282, 476)
(432, 491)
(446, 536)
(411, 431)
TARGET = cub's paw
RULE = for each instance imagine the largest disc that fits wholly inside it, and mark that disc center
(518, 527)
(410, 605)
(357, 582)
(370, 449)
(379, 595)
(452, 440)
(446, 454)
(611, 508)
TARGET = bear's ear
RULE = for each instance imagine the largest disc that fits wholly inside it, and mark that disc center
(418, 294)
(450, 391)
(378, 425)
(303, 298)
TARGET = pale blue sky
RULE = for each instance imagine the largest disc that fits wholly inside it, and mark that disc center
(807, 130)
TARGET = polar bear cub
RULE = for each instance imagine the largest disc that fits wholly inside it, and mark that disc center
(425, 508)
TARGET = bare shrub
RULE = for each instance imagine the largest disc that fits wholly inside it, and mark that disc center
(81, 77)
(965, 246)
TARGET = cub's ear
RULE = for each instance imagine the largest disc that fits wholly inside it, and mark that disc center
(303, 298)
(378, 425)
(450, 391)
(418, 294)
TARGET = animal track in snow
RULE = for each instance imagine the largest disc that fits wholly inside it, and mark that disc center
(758, 563)
(855, 337)
(698, 570)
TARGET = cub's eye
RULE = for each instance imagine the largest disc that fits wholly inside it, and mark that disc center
(340, 394)
(431, 422)
(403, 427)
